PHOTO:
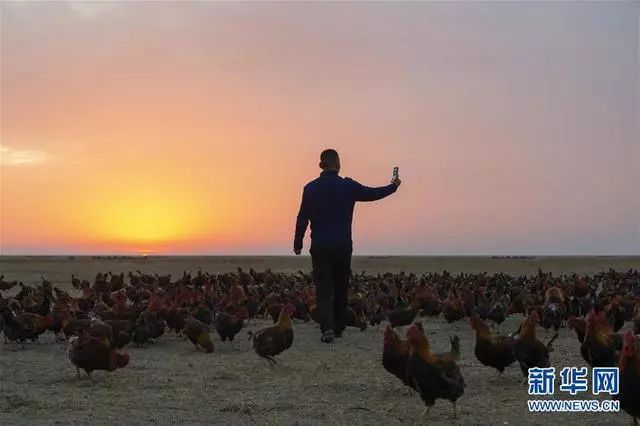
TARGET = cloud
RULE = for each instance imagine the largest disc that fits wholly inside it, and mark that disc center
(21, 157)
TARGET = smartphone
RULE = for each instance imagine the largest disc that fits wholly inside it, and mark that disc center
(395, 172)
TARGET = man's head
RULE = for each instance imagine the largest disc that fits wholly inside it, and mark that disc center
(329, 160)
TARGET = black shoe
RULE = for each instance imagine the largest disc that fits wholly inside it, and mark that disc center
(327, 336)
(338, 335)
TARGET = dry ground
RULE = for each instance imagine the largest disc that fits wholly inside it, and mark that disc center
(313, 383)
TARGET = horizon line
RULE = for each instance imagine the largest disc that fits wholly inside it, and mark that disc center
(497, 255)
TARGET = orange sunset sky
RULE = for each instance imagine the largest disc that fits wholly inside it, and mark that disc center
(191, 127)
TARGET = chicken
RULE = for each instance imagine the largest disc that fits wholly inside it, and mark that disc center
(468, 300)
(202, 313)
(42, 322)
(122, 332)
(520, 303)
(5, 285)
(141, 333)
(600, 344)
(497, 313)
(581, 288)
(497, 352)
(403, 316)
(61, 316)
(15, 330)
(395, 354)
(453, 309)
(129, 313)
(554, 295)
(628, 303)
(103, 311)
(573, 307)
(431, 305)
(154, 304)
(552, 315)
(482, 304)
(274, 340)
(274, 311)
(579, 325)
(377, 317)
(100, 330)
(228, 325)
(355, 320)
(357, 303)
(252, 306)
(24, 326)
(75, 282)
(302, 311)
(74, 326)
(176, 319)
(198, 333)
(629, 367)
(636, 318)
(615, 313)
(431, 375)
(90, 353)
(529, 351)
(154, 323)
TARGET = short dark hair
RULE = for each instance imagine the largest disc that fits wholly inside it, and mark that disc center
(329, 159)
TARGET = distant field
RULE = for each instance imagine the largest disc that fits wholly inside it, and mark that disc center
(59, 269)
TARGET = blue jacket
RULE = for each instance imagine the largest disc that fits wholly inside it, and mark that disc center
(328, 203)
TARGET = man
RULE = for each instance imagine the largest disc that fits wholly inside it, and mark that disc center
(328, 203)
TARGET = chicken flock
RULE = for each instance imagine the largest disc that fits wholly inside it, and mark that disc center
(114, 311)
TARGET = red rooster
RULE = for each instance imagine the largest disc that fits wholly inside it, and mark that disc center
(431, 375)
(274, 340)
(497, 352)
(579, 325)
(636, 318)
(90, 353)
(198, 333)
(395, 354)
(629, 365)
(601, 344)
(530, 352)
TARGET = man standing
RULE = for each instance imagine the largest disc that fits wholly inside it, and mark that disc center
(328, 203)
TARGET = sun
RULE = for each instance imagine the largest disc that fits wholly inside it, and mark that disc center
(149, 222)
(145, 219)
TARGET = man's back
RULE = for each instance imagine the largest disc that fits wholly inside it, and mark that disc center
(327, 202)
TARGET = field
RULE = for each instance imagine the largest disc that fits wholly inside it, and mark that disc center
(313, 383)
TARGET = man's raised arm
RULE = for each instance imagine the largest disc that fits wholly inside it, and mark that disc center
(304, 216)
(367, 193)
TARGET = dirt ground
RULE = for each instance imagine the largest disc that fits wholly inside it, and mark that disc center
(314, 383)
(58, 269)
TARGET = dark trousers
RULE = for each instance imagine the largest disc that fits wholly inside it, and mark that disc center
(331, 275)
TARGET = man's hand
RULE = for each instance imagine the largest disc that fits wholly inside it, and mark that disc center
(297, 251)
(396, 181)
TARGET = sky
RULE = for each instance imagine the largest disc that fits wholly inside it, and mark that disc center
(191, 127)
